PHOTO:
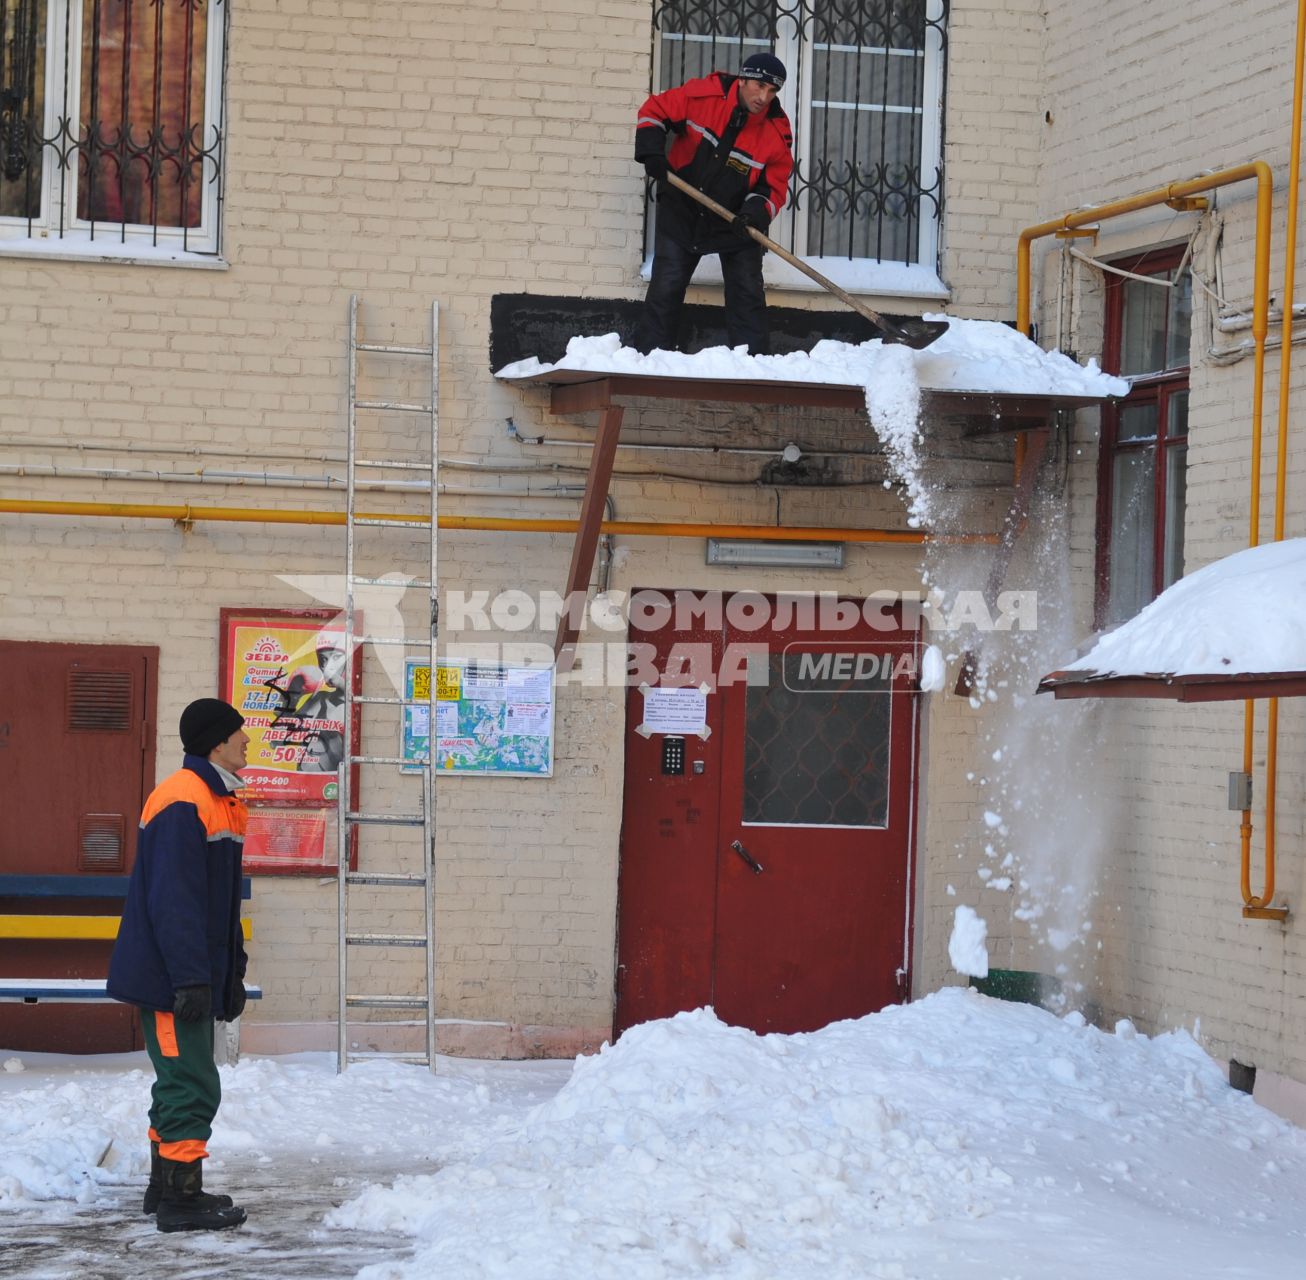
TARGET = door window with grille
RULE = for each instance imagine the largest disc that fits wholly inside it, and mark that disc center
(111, 125)
(864, 95)
(1144, 457)
(816, 743)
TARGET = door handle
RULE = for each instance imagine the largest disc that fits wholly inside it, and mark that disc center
(757, 867)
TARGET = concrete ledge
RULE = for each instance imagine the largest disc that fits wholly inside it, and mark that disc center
(456, 1038)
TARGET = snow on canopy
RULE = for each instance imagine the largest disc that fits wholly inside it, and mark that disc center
(973, 355)
(1243, 615)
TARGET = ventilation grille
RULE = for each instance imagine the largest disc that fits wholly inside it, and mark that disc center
(101, 843)
(100, 701)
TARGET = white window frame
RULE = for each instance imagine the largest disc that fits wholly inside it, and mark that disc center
(57, 232)
(919, 279)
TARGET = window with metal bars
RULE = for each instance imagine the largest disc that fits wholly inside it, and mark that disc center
(111, 122)
(865, 96)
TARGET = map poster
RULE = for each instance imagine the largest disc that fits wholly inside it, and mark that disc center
(490, 719)
(284, 671)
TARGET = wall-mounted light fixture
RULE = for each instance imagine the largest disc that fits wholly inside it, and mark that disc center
(778, 555)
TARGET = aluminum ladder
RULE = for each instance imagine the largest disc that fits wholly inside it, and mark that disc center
(352, 818)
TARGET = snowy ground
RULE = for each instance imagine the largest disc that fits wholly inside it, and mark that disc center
(957, 1138)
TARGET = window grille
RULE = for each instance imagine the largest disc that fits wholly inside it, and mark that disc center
(864, 95)
(111, 120)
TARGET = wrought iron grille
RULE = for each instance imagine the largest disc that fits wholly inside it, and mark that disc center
(862, 181)
(132, 139)
(816, 754)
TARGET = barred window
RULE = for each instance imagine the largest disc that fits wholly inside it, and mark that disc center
(864, 94)
(111, 127)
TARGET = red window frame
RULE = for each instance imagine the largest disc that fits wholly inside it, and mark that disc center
(1153, 388)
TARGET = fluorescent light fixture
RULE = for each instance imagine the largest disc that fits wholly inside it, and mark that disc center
(780, 555)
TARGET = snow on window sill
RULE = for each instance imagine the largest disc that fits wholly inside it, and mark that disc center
(83, 249)
(857, 275)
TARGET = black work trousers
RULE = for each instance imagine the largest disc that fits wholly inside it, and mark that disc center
(673, 265)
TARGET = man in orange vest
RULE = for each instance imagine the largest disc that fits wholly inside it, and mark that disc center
(180, 956)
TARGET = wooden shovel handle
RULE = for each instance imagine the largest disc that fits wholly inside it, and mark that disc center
(798, 264)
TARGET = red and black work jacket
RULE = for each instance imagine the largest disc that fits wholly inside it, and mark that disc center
(181, 919)
(719, 148)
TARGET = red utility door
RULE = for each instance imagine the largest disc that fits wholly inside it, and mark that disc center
(76, 765)
(807, 773)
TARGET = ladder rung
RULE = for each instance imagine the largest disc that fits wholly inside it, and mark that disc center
(386, 1002)
(385, 819)
(386, 939)
(390, 879)
(388, 582)
(390, 1057)
(393, 351)
(372, 523)
(393, 406)
(392, 466)
(387, 760)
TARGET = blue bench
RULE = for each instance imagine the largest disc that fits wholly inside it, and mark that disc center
(36, 926)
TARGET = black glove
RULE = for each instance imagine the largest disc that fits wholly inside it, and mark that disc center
(656, 167)
(754, 215)
(237, 1005)
(193, 1004)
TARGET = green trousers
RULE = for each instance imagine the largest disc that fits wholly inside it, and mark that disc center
(187, 1090)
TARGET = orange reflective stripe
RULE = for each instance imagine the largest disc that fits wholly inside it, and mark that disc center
(185, 1151)
(217, 813)
(154, 1135)
(166, 1029)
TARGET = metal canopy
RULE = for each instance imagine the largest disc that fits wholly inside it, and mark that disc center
(584, 391)
(1193, 688)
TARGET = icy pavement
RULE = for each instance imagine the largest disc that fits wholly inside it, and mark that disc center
(957, 1138)
(283, 1239)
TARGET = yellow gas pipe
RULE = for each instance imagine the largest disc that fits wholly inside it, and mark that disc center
(1177, 194)
(1259, 907)
(632, 528)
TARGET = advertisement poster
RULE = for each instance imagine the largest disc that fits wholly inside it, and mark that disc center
(490, 720)
(284, 671)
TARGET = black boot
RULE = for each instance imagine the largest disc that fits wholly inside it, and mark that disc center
(183, 1205)
(154, 1192)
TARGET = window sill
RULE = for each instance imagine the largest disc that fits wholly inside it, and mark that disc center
(117, 252)
(883, 279)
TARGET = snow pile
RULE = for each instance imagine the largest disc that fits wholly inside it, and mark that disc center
(972, 355)
(945, 1138)
(1244, 614)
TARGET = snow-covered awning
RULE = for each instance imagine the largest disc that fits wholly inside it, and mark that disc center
(976, 366)
(1233, 629)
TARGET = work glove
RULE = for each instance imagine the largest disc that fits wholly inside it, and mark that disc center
(237, 1005)
(754, 215)
(192, 1004)
(656, 167)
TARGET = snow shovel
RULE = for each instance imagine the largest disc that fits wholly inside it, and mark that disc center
(908, 333)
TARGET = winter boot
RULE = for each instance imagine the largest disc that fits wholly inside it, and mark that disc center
(154, 1192)
(184, 1206)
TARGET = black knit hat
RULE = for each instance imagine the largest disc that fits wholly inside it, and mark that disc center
(765, 67)
(206, 723)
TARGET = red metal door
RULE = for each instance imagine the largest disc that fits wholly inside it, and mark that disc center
(808, 773)
(76, 765)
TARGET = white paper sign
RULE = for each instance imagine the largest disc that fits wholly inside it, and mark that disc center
(674, 711)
